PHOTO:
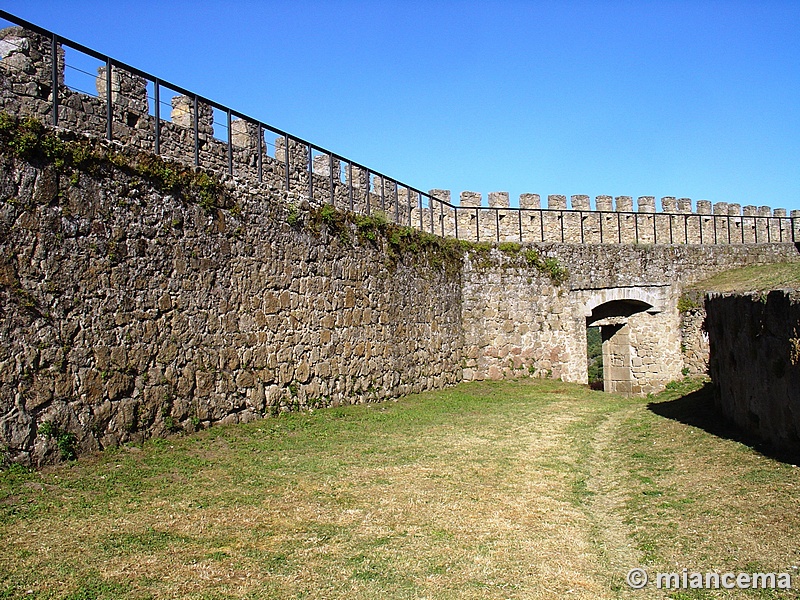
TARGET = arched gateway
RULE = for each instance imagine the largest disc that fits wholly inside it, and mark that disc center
(640, 333)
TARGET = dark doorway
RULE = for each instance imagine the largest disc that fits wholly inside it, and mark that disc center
(594, 357)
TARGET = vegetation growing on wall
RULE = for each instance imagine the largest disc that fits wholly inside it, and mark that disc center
(32, 141)
(519, 255)
(689, 301)
(594, 357)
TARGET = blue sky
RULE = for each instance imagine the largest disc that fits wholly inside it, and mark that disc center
(673, 98)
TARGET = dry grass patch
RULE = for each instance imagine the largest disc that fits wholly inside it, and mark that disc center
(531, 489)
(758, 278)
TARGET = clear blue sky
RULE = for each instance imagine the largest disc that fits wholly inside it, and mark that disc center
(670, 98)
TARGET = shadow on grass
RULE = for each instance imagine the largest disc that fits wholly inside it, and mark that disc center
(698, 410)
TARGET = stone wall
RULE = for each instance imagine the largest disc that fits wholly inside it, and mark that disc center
(614, 220)
(518, 322)
(128, 313)
(247, 150)
(694, 337)
(754, 363)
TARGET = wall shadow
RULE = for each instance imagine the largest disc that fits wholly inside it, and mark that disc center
(698, 410)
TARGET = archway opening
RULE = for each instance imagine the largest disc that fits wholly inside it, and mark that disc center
(611, 319)
(594, 357)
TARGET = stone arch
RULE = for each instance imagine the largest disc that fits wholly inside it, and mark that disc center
(654, 297)
(632, 321)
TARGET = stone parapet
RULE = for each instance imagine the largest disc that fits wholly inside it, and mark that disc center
(289, 164)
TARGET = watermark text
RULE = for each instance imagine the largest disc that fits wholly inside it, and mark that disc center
(638, 578)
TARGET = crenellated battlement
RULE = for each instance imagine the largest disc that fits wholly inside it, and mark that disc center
(138, 110)
(614, 220)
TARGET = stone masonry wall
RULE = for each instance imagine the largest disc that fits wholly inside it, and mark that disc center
(613, 220)
(128, 313)
(518, 322)
(694, 341)
(755, 363)
(247, 150)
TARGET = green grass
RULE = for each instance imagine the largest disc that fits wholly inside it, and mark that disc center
(758, 278)
(529, 489)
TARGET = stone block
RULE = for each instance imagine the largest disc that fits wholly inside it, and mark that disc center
(669, 204)
(624, 203)
(443, 195)
(498, 199)
(647, 204)
(604, 203)
(580, 202)
(470, 199)
(529, 201)
(704, 207)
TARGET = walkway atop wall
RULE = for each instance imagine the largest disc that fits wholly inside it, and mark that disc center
(49, 77)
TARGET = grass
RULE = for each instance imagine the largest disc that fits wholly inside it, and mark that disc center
(760, 278)
(529, 489)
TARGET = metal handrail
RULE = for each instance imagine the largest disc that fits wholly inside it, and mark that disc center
(58, 39)
(111, 64)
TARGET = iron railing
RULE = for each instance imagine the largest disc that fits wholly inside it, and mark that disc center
(398, 201)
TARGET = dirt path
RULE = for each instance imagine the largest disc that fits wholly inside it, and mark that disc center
(606, 504)
(586, 549)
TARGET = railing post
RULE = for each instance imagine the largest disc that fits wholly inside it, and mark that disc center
(350, 184)
(330, 172)
(519, 214)
(196, 133)
(366, 196)
(655, 228)
(636, 228)
(455, 216)
(260, 152)
(600, 217)
(430, 209)
(383, 193)
(541, 223)
(230, 145)
(477, 226)
(54, 69)
(157, 110)
(286, 160)
(410, 207)
(310, 174)
(497, 224)
(561, 220)
(619, 226)
(109, 104)
(396, 205)
(580, 220)
(671, 237)
(419, 203)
